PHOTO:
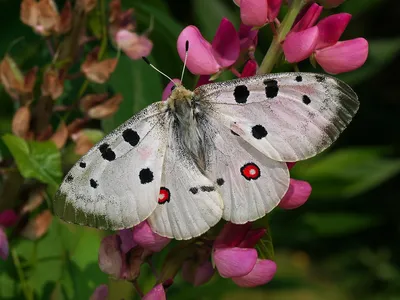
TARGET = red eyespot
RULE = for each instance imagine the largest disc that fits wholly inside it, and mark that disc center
(164, 195)
(250, 171)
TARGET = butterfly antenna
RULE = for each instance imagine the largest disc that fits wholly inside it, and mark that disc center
(186, 56)
(151, 65)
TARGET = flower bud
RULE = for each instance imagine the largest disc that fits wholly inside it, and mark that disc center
(21, 122)
(298, 193)
(37, 226)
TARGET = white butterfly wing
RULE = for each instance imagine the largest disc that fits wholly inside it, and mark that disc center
(250, 183)
(287, 116)
(116, 184)
(189, 203)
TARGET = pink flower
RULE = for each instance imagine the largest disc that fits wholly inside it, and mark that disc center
(146, 238)
(249, 69)
(235, 257)
(3, 245)
(8, 218)
(322, 39)
(168, 89)
(135, 46)
(248, 37)
(111, 261)
(197, 273)
(343, 56)
(100, 293)
(127, 242)
(156, 293)
(258, 12)
(297, 194)
(205, 58)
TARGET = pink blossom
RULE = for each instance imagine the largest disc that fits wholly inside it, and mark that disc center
(111, 260)
(146, 238)
(248, 37)
(249, 69)
(156, 293)
(258, 12)
(100, 293)
(168, 89)
(197, 273)
(127, 242)
(135, 46)
(298, 193)
(343, 56)
(3, 245)
(235, 257)
(8, 218)
(322, 40)
(205, 58)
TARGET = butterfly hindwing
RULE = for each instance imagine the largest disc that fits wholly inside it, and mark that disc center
(250, 183)
(189, 203)
(287, 116)
(116, 184)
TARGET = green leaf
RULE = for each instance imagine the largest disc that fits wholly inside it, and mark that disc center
(347, 172)
(39, 160)
(139, 85)
(339, 224)
(265, 246)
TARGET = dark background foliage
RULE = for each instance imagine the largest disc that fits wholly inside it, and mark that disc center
(342, 244)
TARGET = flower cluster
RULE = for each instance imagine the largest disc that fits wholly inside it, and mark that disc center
(234, 251)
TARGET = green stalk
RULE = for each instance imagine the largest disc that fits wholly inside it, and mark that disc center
(274, 52)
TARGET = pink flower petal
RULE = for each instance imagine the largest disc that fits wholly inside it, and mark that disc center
(300, 45)
(297, 194)
(274, 7)
(290, 164)
(252, 237)
(234, 262)
(127, 242)
(263, 272)
(248, 37)
(226, 44)
(3, 245)
(307, 17)
(100, 293)
(331, 28)
(231, 235)
(8, 218)
(250, 69)
(343, 56)
(201, 60)
(254, 12)
(197, 274)
(168, 89)
(110, 256)
(145, 237)
(134, 45)
(156, 293)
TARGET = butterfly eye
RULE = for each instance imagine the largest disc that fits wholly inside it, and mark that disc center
(173, 87)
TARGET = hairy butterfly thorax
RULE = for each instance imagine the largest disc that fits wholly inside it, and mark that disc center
(185, 112)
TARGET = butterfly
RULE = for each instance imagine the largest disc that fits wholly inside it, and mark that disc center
(218, 152)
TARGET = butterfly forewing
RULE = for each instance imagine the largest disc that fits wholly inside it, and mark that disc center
(116, 184)
(288, 116)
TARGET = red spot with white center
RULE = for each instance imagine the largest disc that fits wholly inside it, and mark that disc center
(250, 171)
(164, 195)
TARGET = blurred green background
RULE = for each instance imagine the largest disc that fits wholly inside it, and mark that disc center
(342, 244)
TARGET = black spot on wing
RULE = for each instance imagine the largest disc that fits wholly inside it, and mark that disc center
(207, 188)
(299, 78)
(241, 94)
(194, 190)
(220, 181)
(69, 178)
(146, 176)
(131, 136)
(271, 88)
(320, 78)
(306, 99)
(82, 164)
(106, 152)
(93, 183)
(259, 132)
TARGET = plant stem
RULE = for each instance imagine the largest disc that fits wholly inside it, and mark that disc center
(24, 285)
(274, 52)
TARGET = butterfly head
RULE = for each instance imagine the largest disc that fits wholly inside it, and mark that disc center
(180, 96)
